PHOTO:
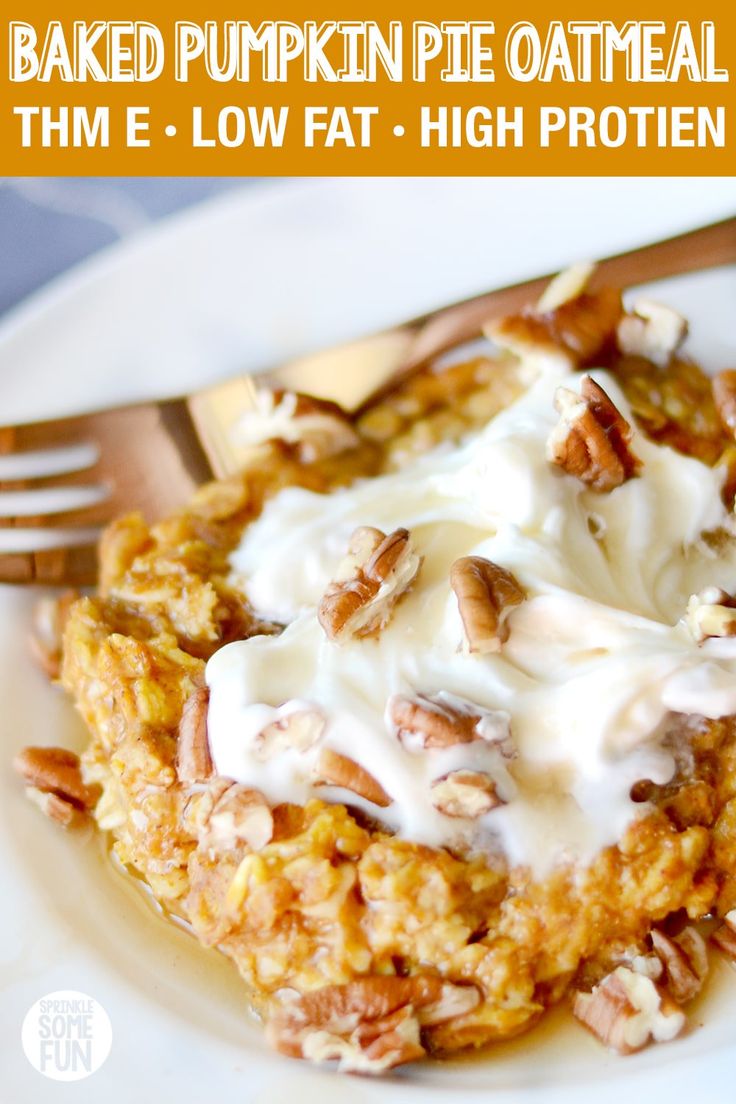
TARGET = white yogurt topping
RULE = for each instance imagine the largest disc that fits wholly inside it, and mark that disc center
(597, 657)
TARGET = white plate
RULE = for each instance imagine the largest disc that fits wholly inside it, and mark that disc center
(243, 282)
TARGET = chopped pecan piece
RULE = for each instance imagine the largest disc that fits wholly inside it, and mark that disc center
(239, 815)
(49, 618)
(444, 721)
(724, 397)
(198, 803)
(642, 962)
(710, 613)
(298, 730)
(685, 803)
(54, 782)
(193, 759)
(628, 1009)
(315, 428)
(465, 793)
(724, 936)
(54, 807)
(370, 1024)
(376, 572)
(566, 285)
(685, 962)
(652, 331)
(591, 440)
(486, 595)
(372, 1048)
(580, 329)
(333, 769)
(55, 770)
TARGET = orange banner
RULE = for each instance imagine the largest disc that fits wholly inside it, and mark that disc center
(295, 89)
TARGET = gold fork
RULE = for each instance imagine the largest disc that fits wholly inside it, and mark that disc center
(61, 480)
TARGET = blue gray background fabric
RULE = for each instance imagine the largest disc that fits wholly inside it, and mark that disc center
(48, 224)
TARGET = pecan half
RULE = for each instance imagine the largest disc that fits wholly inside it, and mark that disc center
(435, 723)
(685, 962)
(298, 730)
(591, 440)
(724, 936)
(628, 1009)
(710, 613)
(47, 629)
(193, 759)
(580, 328)
(486, 595)
(333, 769)
(376, 572)
(652, 331)
(314, 428)
(465, 793)
(364, 541)
(724, 397)
(239, 815)
(370, 1024)
(445, 721)
(54, 782)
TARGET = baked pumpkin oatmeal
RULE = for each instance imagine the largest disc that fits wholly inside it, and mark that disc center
(428, 718)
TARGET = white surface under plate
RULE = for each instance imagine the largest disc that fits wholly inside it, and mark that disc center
(241, 283)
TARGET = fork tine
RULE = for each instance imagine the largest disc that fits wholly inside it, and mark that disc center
(16, 569)
(47, 488)
(91, 477)
(146, 457)
(44, 464)
(55, 434)
(48, 501)
(52, 488)
(46, 478)
(75, 567)
(61, 522)
(50, 556)
(27, 540)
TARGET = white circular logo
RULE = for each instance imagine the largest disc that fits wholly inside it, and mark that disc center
(66, 1035)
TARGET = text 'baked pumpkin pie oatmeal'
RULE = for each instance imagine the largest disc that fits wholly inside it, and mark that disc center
(428, 719)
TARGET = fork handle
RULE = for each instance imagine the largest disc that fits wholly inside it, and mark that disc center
(365, 371)
(439, 331)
